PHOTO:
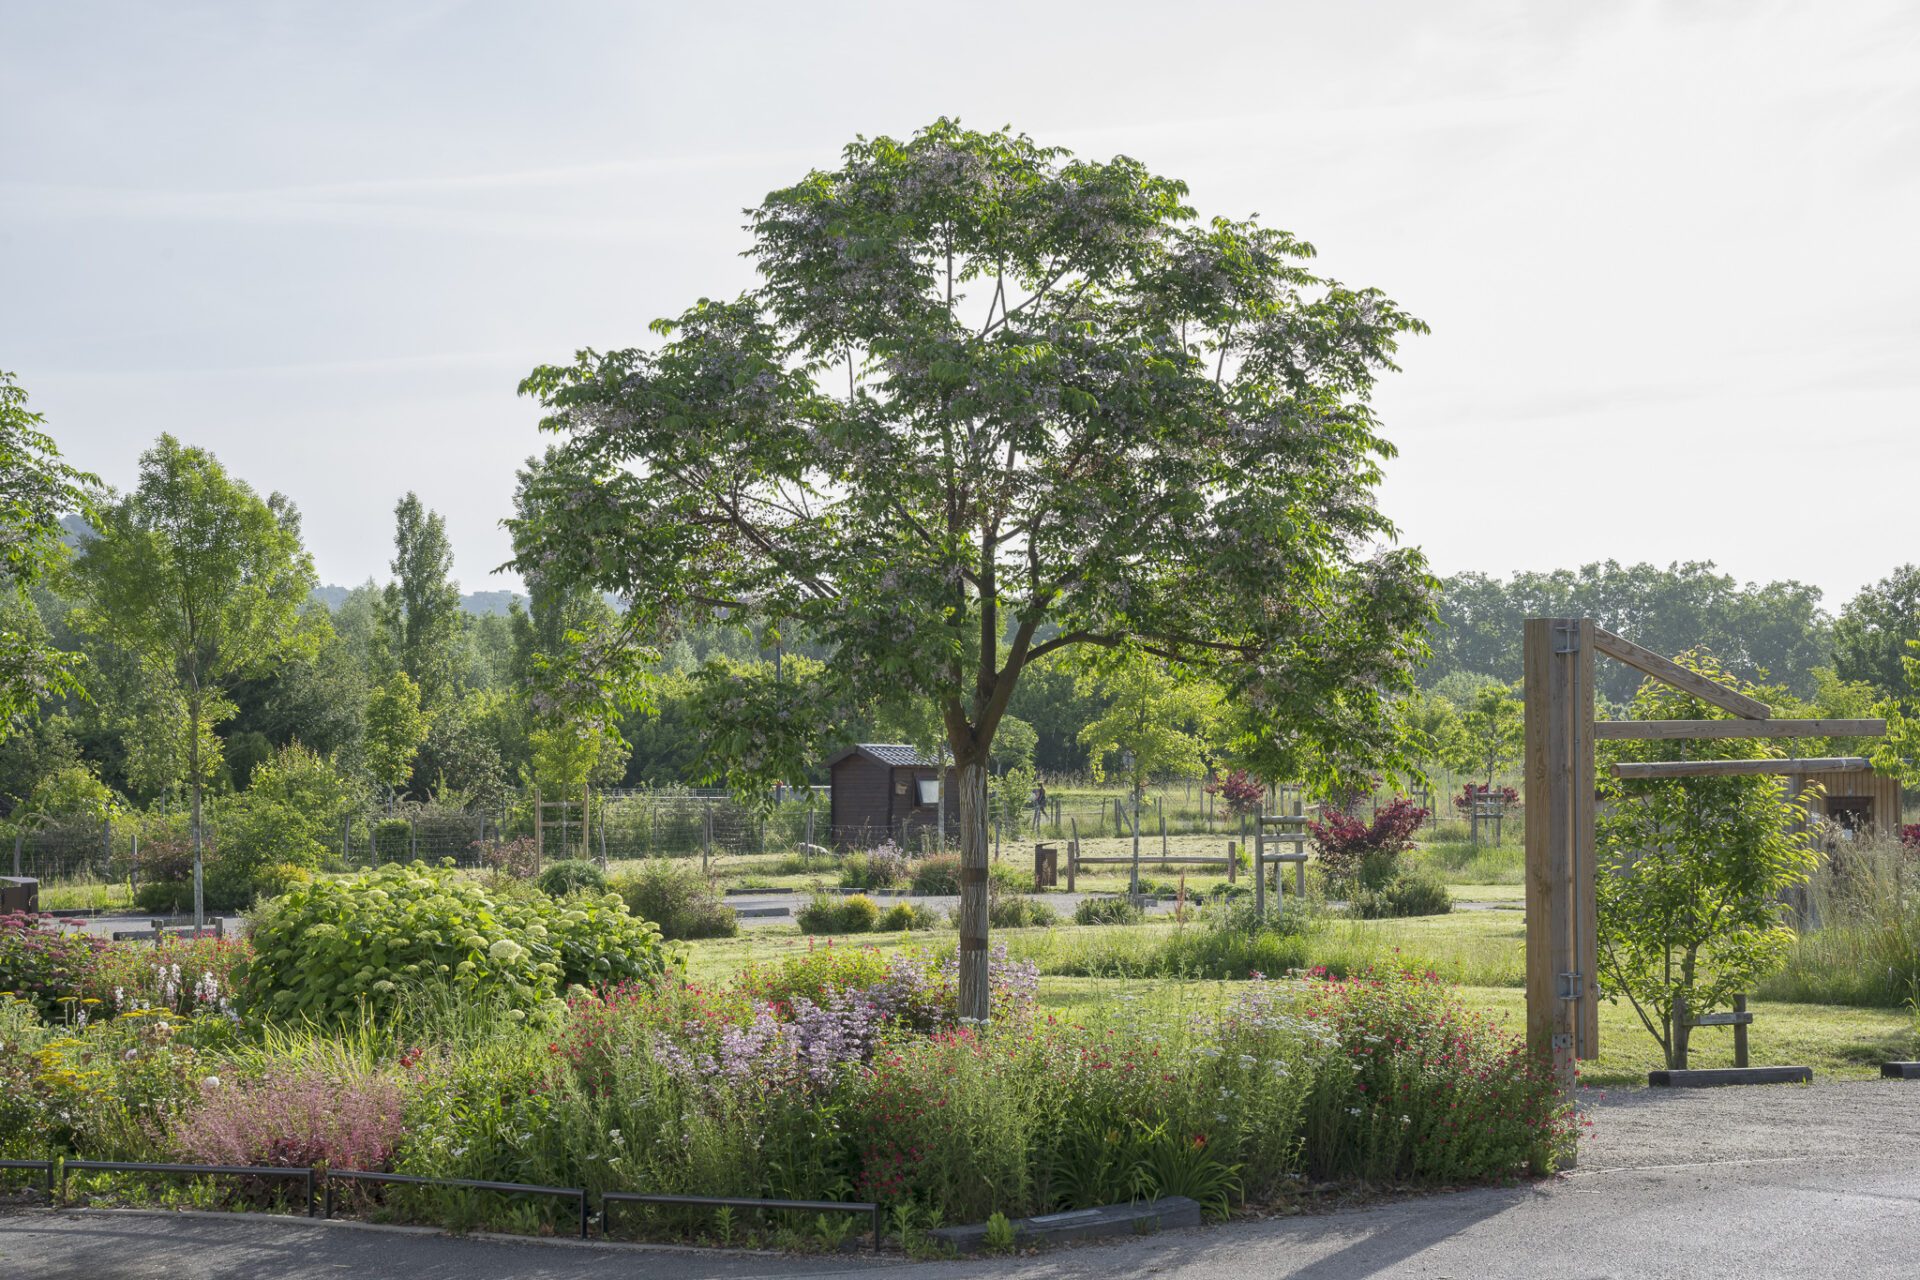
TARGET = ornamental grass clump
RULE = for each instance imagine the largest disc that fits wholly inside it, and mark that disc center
(336, 1114)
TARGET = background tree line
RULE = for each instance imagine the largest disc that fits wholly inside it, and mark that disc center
(413, 692)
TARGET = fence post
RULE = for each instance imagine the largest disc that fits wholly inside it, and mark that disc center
(1740, 1033)
(1073, 856)
(1260, 866)
(133, 869)
(413, 839)
(106, 848)
(1679, 1032)
(16, 853)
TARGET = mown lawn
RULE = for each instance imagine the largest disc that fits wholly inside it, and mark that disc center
(1480, 951)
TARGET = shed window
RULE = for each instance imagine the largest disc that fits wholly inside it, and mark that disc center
(1855, 813)
(928, 790)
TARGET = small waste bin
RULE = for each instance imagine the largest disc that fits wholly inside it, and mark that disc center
(1046, 865)
(19, 893)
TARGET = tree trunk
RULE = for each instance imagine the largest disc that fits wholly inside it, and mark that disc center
(972, 806)
(193, 769)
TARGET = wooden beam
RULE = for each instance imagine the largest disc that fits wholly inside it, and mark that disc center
(1636, 730)
(1739, 768)
(1671, 672)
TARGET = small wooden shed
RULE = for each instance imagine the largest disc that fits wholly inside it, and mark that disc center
(880, 791)
(1858, 799)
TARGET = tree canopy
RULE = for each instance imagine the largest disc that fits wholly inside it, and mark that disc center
(36, 490)
(991, 402)
(202, 581)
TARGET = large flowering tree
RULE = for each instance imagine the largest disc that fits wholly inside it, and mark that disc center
(990, 402)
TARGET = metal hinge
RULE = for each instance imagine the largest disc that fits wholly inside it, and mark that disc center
(1570, 986)
(1566, 637)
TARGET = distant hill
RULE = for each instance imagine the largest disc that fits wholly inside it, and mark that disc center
(75, 530)
(488, 603)
(479, 603)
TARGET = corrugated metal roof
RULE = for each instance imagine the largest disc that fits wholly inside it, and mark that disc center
(895, 754)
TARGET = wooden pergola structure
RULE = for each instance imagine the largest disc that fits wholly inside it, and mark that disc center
(1563, 1006)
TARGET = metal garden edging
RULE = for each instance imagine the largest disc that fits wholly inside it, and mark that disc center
(610, 1198)
(465, 1184)
(44, 1166)
(189, 1170)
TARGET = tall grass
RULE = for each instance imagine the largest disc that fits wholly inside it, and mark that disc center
(1463, 862)
(1859, 942)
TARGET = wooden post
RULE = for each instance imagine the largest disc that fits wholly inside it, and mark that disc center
(539, 824)
(1740, 1033)
(1163, 836)
(16, 852)
(1073, 855)
(1134, 887)
(1681, 1031)
(706, 842)
(1233, 862)
(1260, 866)
(1562, 949)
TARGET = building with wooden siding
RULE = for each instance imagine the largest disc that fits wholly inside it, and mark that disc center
(1857, 799)
(882, 791)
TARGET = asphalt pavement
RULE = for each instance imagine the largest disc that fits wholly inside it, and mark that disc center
(1788, 1181)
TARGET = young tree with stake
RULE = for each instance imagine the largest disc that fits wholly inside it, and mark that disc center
(991, 402)
(1692, 872)
(203, 579)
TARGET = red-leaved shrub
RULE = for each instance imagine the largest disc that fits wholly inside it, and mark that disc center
(1507, 796)
(1240, 793)
(1349, 847)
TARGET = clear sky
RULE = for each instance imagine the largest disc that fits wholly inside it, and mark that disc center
(1668, 251)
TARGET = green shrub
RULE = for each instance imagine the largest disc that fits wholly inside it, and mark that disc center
(938, 874)
(325, 949)
(904, 916)
(284, 824)
(1015, 911)
(679, 899)
(1229, 943)
(1107, 911)
(570, 875)
(1408, 894)
(45, 967)
(880, 868)
(829, 913)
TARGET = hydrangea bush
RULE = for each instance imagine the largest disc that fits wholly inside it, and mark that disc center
(328, 949)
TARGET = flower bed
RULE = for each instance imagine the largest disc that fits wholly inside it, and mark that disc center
(840, 1074)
